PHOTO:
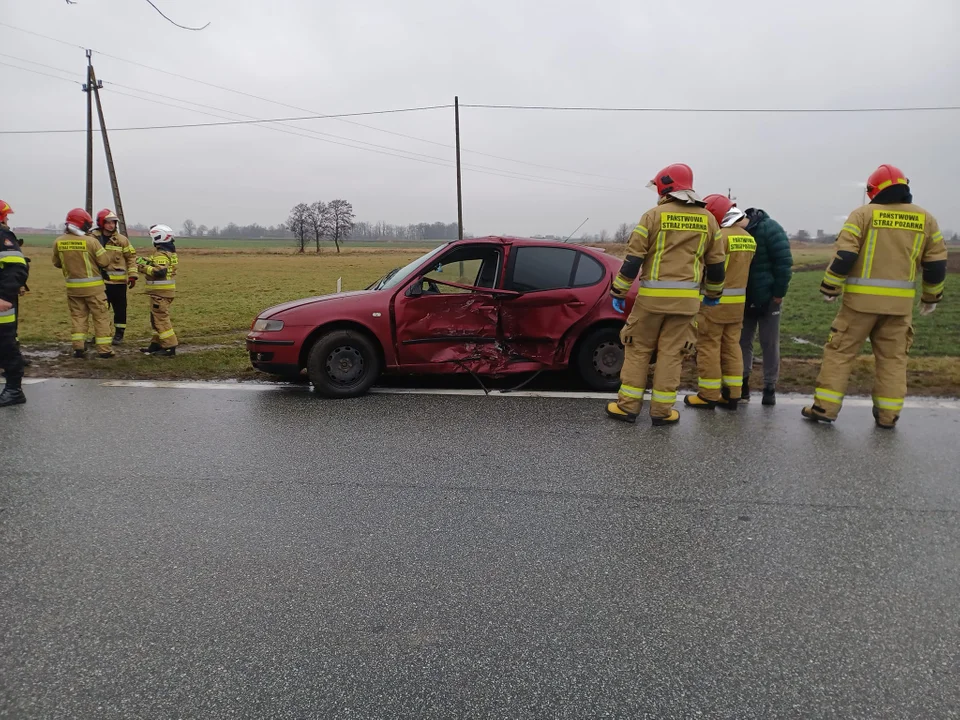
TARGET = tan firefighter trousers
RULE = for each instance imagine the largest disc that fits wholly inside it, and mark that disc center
(160, 322)
(719, 358)
(890, 336)
(94, 306)
(672, 336)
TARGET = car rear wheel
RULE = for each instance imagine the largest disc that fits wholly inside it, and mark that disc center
(343, 364)
(599, 359)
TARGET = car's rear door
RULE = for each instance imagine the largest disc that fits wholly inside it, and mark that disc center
(558, 287)
(449, 315)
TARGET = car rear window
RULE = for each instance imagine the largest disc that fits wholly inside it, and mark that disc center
(589, 272)
(544, 268)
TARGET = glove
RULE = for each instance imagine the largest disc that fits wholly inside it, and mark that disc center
(143, 262)
(711, 302)
(830, 298)
(619, 305)
(927, 308)
(131, 281)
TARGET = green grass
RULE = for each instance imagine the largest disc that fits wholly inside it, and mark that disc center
(807, 317)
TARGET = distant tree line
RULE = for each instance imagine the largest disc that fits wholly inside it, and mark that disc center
(321, 221)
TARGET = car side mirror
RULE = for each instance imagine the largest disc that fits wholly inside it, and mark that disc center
(415, 289)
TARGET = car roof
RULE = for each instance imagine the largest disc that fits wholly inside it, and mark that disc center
(514, 240)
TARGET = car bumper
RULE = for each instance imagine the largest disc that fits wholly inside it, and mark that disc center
(271, 353)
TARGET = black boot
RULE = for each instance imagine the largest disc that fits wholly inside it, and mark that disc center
(769, 395)
(118, 336)
(12, 396)
(79, 354)
(151, 349)
(165, 352)
(745, 390)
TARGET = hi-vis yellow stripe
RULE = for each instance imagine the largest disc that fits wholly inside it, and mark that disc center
(688, 222)
(894, 220)
(631, 392)
(852, 229)
(658, 255)
(831, 396)
(869, 253)
(915, 255)
(641, 230)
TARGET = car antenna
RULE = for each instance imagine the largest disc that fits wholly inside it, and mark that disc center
(578, 227)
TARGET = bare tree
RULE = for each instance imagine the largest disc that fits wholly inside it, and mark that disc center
(189, 227)
(623, 233)
(202, 230)
(299, 224)
(603, 236)
(319, 222)
(341, 221)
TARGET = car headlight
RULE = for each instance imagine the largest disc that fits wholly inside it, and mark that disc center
(262, 325)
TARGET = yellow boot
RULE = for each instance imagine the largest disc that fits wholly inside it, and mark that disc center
(672, 419)
(701, 403)
(815, 413)
(615, 411)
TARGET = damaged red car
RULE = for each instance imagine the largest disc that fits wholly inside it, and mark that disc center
(489, 306)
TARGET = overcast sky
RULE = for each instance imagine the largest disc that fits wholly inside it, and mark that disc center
(334, 57)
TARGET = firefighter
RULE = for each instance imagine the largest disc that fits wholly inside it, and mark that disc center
(879, 252)
(5, 212)
(121, 272)
(80, 256)
(161, 270)
(719, 358)
(673, 248)
(13, 276)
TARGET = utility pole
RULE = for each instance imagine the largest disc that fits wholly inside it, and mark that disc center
(87, 88)
(456, 120)
(117, 205)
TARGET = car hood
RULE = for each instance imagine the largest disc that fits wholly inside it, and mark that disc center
(294, 304)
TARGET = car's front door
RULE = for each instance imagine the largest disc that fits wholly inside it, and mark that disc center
(449, 315)
(558, 287)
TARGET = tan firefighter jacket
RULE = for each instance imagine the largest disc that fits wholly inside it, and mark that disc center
(161, 271)
(677, 251)
(878, 254)
(80, 258)
(122, 257)
(739, 247)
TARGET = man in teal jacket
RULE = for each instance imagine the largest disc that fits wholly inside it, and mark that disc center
(770, 275)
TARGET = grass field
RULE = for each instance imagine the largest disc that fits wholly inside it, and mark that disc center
(220, 291)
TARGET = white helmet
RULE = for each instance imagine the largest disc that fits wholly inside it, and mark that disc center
(161, 234)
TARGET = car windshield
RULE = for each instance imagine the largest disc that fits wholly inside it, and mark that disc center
(393, 279)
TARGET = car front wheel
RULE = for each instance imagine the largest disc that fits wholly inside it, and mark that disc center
(343, 364)
(600, 358)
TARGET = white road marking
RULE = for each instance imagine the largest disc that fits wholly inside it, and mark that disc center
(782, 399)
(28, 381)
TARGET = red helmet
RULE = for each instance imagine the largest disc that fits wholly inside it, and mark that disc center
(104, 215)
(80, 219)
(5, 210)
(673, 178)
(718, 205)
(883, 177)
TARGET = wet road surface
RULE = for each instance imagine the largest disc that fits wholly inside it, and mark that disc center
(267, 554)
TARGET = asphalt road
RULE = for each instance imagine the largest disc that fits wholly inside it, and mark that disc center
(190, 553)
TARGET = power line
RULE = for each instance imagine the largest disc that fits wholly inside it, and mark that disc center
(935, 108)
(34, 62)
(40, 72)
(182, 27)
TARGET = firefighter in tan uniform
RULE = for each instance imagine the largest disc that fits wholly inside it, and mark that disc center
(719, 358)
(121, 272)
(161, 270)
(80, 257)
(879, 253)
(673, 248)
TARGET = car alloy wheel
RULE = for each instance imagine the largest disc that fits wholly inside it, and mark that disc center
(608, 359)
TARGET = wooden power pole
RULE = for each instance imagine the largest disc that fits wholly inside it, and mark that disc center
(456, 121)
(92, 89)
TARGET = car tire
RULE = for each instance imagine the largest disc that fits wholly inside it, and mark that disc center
(343, 364)
(599, 359)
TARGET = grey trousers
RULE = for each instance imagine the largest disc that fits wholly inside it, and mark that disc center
(769, 324)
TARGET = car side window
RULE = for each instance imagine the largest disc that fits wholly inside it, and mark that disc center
(473, 266)
(589, 272)
(541, 268)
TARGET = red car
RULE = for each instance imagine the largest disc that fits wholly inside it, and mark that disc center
(490, 306)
